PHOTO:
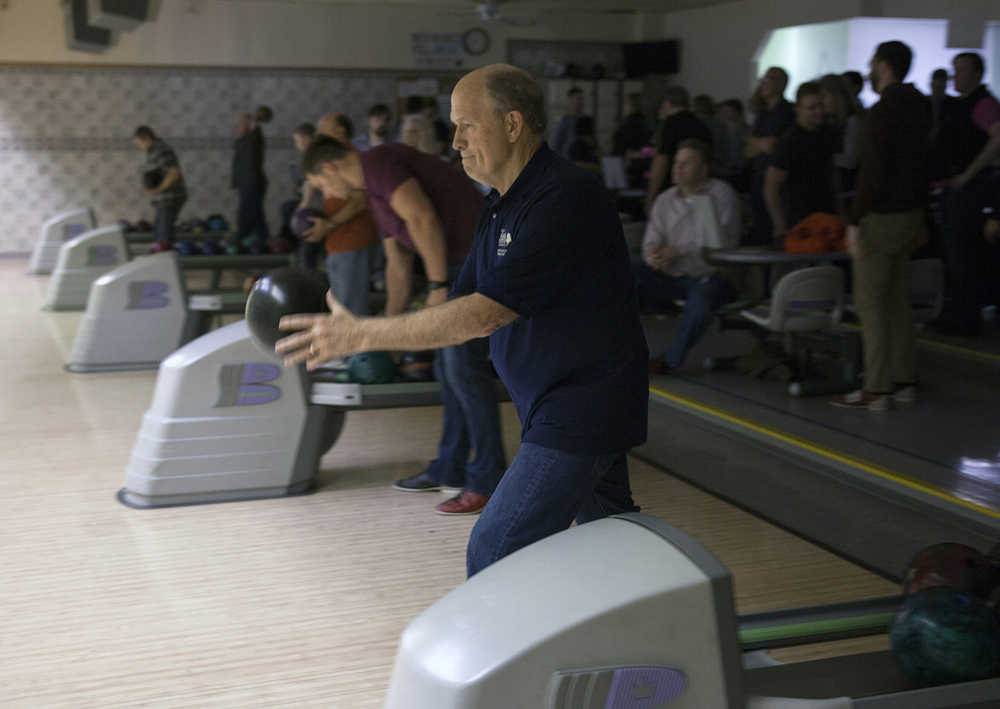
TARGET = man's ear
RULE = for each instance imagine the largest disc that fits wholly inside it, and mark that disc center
(513, 124)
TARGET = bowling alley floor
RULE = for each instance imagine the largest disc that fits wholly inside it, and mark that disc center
(278, 603)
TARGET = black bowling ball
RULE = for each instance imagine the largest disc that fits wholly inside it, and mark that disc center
(284, 291)
(152, 179)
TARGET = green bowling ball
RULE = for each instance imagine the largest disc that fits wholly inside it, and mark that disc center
(941, 636)
(372, 368)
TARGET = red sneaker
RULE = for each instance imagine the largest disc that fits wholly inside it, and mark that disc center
(861, 399)
(464, 503)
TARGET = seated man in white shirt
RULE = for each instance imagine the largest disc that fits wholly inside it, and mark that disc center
(697, 212)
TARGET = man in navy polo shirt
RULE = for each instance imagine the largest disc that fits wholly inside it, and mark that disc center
(548, 280)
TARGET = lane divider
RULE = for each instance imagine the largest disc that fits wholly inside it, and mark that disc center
(829, 453)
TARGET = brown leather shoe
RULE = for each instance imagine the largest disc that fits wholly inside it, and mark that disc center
(464, 503)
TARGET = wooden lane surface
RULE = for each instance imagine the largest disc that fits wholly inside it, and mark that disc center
(274, 603)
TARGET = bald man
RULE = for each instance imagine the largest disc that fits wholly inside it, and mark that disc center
(548, 281)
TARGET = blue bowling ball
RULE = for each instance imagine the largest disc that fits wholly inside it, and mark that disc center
(186, 248)
(208, 247)
(217, 222)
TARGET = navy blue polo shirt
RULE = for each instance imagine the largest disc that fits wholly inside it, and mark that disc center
(575, 362)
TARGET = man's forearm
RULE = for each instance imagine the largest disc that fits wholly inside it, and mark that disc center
(657, 173)
(450, 323)
(356, 204)
(985, 157)
(398, 287)
(307, 194)
(429, 240)
(173, 174)
(772, 197)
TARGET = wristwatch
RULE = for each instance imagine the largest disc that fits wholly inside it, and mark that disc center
(434, 285)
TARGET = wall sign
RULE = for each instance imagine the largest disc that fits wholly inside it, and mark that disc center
(437, 51)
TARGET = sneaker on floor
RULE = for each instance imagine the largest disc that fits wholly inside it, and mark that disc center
(465, 503)
(906, 394)
(861, 399)
(420, 482)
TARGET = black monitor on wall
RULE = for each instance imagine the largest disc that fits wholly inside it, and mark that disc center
(644, 58)
(80, 34)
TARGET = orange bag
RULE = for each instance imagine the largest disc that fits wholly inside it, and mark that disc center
(817, 234)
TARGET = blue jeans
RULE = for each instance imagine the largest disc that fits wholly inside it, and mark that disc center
(348, 273)
(542, 493)
(471, 419)
(166, 215)
(703, 295)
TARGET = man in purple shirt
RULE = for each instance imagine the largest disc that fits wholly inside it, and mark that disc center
(425, 207)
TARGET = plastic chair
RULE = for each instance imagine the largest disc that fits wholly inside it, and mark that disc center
(803, 301)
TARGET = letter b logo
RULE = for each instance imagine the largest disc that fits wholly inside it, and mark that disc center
(147, 295)
(246, 384)
(102, 256)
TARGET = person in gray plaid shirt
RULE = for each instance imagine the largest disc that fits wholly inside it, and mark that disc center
(162, 180)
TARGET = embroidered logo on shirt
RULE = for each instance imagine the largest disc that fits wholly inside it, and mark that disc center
(503, 242)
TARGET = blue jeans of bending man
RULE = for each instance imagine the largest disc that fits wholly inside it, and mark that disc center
(542, 493)
(471, 420)
(703, 295)
(348, 273)
(471, 416)
(166, 215)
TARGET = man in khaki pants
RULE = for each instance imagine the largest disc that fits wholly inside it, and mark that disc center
(887, 223)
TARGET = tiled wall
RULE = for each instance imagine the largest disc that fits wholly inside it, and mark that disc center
(65, 135)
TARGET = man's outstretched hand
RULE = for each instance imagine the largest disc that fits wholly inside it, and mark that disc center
(321, 336)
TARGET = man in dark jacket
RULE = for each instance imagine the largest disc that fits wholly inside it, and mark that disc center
(249, 181)
(971, 133)
(887, 223)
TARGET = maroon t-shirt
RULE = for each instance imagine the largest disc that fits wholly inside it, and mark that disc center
(456, 200)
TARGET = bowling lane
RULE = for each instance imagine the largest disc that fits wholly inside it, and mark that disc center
(295, 602)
